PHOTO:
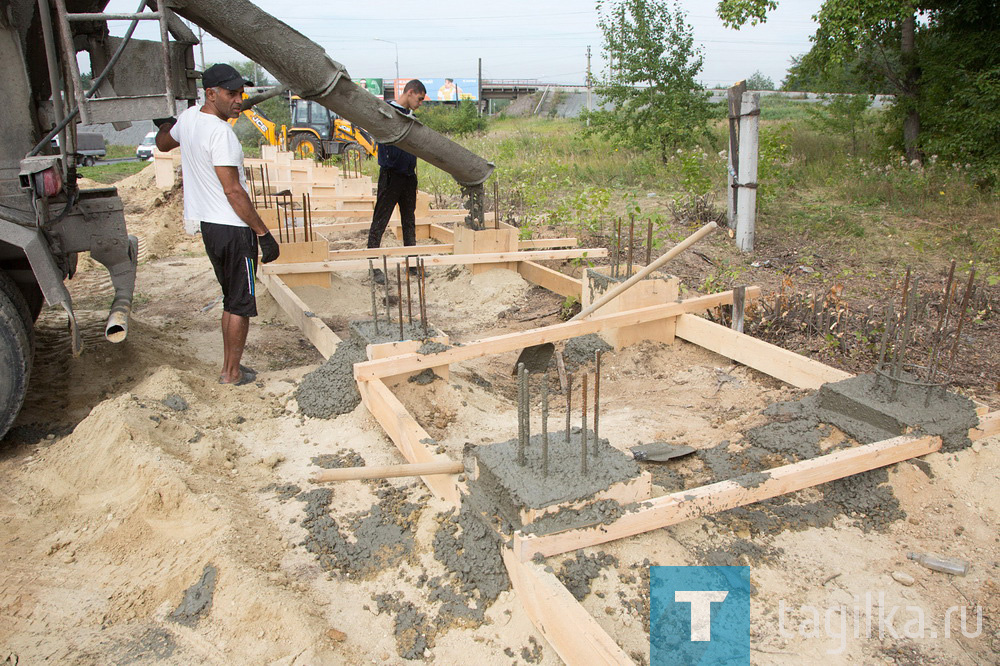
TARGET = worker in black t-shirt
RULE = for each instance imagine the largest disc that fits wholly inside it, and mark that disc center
(397, 180)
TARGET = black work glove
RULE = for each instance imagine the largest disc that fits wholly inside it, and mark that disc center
(162, 121)
(268, 248)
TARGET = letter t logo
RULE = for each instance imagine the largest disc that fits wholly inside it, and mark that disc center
(701, 610)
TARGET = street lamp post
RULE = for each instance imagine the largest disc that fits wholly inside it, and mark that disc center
(397, 58)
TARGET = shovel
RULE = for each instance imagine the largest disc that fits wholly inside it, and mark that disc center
(659, 451)
(536, 358)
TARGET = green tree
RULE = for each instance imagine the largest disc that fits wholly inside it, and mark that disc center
(653, 98)
(843, 115)
(944, 69)
(758, 81)
(253, 72)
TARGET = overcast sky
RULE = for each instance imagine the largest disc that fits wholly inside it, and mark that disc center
(517, 39)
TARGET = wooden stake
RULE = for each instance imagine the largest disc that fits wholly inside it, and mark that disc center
(388, 471)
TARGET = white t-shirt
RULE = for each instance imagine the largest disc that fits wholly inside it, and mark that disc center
(207, 141)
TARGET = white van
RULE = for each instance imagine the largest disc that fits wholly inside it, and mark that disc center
(144, 151)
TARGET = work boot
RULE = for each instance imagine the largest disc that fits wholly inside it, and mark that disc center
(378, 276)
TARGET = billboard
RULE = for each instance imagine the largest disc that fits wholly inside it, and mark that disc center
(374, 86)
(445, 89)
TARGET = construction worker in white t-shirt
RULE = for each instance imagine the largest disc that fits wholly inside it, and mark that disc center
(215, 194)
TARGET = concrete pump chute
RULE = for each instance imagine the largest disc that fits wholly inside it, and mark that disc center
(304, 67)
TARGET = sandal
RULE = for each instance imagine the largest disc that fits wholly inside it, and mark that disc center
(245, 378)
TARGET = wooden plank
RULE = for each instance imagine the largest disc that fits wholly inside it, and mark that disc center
(312, 327)
(713, 498)
(547, 243)
(388, 471)
(441, 233)
(515, 341)
(770, 359)
(408, 437)
(989, 425)
(378, 252)
(567, 626)
(440, 260)
(444, 248)
(551, 279)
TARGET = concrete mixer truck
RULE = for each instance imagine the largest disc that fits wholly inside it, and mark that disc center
(46, 220)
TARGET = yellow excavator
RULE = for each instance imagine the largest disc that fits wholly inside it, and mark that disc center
(316, 131)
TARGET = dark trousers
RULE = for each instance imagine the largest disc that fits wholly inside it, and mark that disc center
(394, 188)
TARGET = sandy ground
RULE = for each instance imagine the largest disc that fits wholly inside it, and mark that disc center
(133, 477)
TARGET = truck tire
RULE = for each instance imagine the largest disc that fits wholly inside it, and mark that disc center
(306, 145)
(89, 161)
(20, 302)
(15, 354)
(352, 147)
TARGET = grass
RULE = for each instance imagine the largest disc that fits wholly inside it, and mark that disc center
(119, 152)
(870, 205)
(112, 173)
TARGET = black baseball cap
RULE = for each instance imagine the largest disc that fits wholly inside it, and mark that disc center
(224, 76)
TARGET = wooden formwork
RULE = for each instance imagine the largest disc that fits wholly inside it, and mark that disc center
(575, 636)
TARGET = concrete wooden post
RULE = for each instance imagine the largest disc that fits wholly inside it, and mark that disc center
(735, 97)
(746, 199)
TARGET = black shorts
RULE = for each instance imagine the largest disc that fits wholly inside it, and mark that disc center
(233, 253)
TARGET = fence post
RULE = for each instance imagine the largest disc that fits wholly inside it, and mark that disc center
(746, 199)
(735, 95)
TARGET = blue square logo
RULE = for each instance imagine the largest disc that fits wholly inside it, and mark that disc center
(699, 615)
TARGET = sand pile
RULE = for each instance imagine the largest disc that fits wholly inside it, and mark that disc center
(458, 300)
(159, 574)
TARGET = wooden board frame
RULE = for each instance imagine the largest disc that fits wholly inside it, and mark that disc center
(516, 341)
(723, 495)
(318, 333)
(411, 440)
(439, 260)
(572, 632)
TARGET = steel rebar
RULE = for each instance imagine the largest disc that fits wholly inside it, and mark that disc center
(309, 216)
(399, 300)
(583, 432)
(277, 218)
(423, 297)
(305, 223)
(290, 210)
(889, 316)
(409, 300)
(904, 343)
(263, 186)
(267, 186)
(496, 205)
(961, 319)
(545, 424)
(904, 312)
(523, 413)
(371, 277)
(385, 274)
(936, 339)
(631, 242)
(597, 398)
(649, 242)
(618, 249)
(569, 403)
(253, 189)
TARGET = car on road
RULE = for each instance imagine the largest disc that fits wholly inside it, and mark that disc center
(89, 148)
(144, 151)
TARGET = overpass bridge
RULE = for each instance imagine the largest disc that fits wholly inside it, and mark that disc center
(514, 88)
